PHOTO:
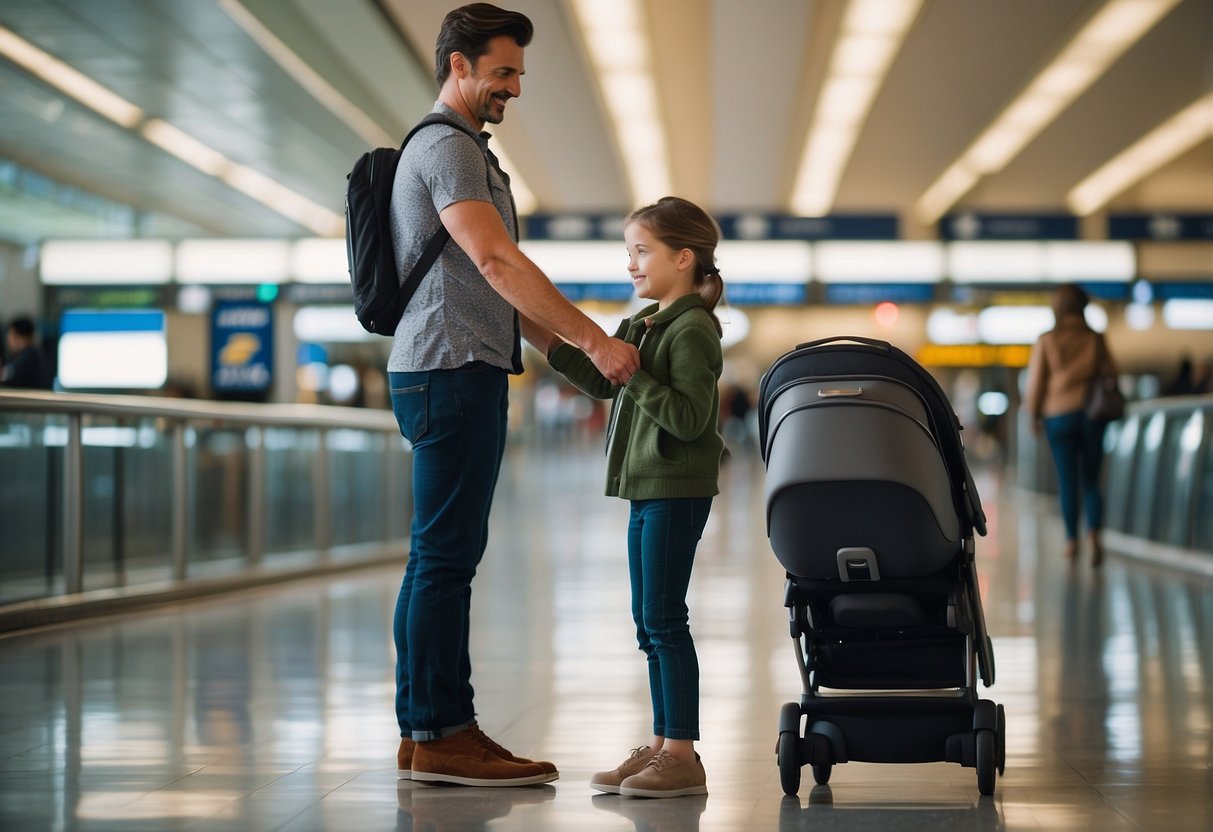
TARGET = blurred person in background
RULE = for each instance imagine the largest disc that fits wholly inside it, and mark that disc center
(1185, 382)
(26, 367)
(1064, 363)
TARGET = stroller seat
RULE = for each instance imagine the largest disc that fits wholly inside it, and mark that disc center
(872, 511)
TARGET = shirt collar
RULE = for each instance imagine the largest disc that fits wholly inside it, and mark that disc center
(444, 110)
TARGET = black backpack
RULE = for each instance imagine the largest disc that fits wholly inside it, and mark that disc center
(379, 296)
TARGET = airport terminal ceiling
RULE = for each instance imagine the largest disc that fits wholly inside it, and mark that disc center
(242, 117)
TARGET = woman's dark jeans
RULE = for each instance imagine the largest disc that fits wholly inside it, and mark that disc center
(456, 422)
(662, 536)
(1077, 445)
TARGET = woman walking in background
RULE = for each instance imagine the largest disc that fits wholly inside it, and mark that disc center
(1065, 362)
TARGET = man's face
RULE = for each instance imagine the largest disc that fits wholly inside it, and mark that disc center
(494, 79)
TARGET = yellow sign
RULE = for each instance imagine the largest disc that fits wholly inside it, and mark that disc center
(973, 355)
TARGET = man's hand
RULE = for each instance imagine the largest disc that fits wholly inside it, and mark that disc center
(616, 359)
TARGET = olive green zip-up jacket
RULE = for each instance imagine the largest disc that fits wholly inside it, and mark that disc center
(663, 440)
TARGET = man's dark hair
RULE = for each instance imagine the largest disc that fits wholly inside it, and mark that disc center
(468, 29)
(23, 326)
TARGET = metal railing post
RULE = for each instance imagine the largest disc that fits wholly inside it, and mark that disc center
(73, 507)
(321, 510)
(180, 500)
(255, 441)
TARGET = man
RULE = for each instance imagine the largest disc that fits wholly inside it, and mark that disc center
(26, 367)
(452, 353)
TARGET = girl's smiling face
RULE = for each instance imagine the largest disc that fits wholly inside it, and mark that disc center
(658, 272)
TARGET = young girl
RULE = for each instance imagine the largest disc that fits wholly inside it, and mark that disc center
(663, 455)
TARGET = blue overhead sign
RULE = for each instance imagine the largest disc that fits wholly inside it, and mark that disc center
(758, 226)
(740, 293)
(1186, 290)
(869, 293)
(1160, 226)
(746, 226)
(972, 226)
(616, 290)
(574, 226)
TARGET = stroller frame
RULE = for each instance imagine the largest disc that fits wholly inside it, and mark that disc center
(888, 663)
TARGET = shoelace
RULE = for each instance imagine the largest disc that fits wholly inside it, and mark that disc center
(663, 760)
(486, 741)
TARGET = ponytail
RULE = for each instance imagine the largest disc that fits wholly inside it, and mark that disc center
(711, 288)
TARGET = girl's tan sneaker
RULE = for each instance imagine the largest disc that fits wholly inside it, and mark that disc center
(666, 776)
(608, 781)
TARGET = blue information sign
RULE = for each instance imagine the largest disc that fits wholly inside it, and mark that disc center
(971, 226)
(1188, 290)
(745, 226)
(766, 294)
(1160, 226)
(574, 226)
(242, 347)
(867, 293)
(618, 290)
(758, 226)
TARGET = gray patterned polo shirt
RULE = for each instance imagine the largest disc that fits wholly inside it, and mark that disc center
(455, 317)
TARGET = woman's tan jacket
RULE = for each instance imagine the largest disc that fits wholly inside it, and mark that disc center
(1063, 362)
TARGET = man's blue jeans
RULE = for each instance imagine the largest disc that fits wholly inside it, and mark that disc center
(1077, 446)
(662, 536)
(456, 422)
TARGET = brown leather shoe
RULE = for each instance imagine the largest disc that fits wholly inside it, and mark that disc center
(404, 759)
(504, 754)
(461, 759)
(666, 776)
(608, 781)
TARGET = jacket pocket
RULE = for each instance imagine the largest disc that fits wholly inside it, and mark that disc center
(661, 450)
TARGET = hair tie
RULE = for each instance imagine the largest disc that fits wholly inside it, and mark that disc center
(710, 270)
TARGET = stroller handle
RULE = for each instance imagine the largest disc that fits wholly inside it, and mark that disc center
(871, 342)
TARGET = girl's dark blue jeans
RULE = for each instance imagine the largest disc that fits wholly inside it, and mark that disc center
(1077, 446)
(662, 537)
(456, 422)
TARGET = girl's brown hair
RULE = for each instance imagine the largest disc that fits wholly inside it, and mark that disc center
(680, 224)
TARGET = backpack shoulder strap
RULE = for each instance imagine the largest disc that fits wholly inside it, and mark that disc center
(434, 247)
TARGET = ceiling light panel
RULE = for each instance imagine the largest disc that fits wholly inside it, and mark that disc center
(872, 33)
(171, 139)
(1174, 137)
(1084, 59)
(617, 41)
(68, 80)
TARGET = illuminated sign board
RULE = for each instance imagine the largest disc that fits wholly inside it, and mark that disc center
(242, 348)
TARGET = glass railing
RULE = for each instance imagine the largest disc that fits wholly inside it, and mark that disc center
(1158, 472)
(125, 492)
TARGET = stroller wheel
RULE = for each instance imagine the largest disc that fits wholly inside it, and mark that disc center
(823, 759)
(986, 767)
(821, 773)
(789, 762)
(1001, 736)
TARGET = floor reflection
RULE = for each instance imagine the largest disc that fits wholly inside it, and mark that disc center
(678, 814)
(272, 710)
(818, 813)
(425, 808)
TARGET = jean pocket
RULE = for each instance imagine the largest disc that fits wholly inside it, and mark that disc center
(411, 407)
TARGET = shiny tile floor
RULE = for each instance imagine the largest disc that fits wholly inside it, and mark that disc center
(272, 710)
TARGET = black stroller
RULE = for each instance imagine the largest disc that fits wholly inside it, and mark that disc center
(871, 509)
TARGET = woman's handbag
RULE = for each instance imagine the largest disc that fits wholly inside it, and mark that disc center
(1105, 402)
